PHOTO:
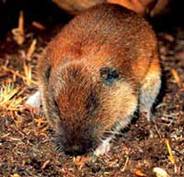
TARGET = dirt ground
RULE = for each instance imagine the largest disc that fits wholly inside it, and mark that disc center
(26, 147)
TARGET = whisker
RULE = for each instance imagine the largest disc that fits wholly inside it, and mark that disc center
(59, 148)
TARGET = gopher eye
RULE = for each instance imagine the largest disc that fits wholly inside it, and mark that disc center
(109, 75)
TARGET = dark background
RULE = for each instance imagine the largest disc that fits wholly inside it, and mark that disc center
(46, 12)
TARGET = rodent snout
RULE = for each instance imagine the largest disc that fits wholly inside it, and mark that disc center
(74, 147)
(78, 149)
(75, 141)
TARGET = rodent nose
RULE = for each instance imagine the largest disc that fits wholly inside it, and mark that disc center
(75, 150)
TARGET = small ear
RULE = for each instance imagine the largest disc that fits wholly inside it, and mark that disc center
(109, 75)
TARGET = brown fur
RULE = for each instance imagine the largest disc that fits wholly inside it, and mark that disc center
(75, 99)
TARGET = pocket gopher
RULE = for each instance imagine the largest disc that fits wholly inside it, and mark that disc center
(95, 73)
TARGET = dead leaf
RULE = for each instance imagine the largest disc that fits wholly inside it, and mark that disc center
(80, 161)
(136, 6)
(160, 172)
(139, 173)
(15, 175)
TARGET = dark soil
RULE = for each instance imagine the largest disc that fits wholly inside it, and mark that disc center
(26, 147)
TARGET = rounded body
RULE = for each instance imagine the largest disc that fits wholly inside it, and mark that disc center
(94, 73)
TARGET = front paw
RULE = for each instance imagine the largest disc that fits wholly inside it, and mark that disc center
(103, 148)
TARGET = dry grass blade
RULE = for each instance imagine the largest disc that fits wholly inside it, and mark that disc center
(126, 164)
(176, 77)
(27, 78)
(38, 25)
(40, 121)
(8, 99)
(45, 164)
(18, 33)
(31, 49)
(171, 156)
